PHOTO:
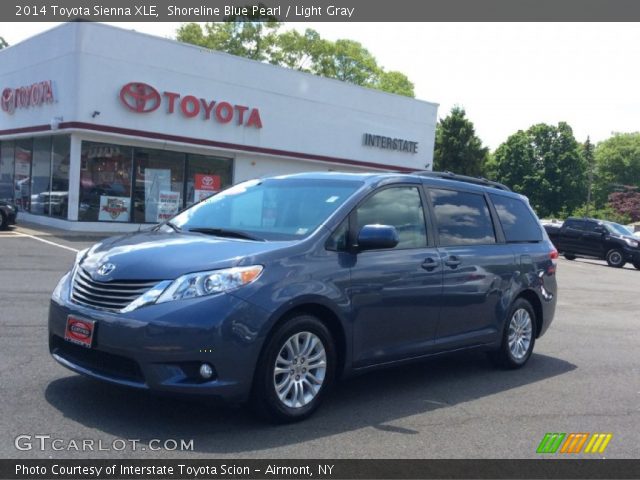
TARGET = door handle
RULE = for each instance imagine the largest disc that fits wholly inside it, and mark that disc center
(429, 264)
(452, 261)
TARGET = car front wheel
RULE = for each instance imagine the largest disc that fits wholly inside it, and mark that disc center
(295, 371)
(568, 256)
(3, 221)
(615, 258)
(518, 338)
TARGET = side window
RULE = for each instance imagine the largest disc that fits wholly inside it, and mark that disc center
(400, 207)
(463, 218)
(518, 223)
(594, 227)
(574, 224)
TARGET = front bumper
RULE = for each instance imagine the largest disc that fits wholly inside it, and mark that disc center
(632, 255)
(161, 347)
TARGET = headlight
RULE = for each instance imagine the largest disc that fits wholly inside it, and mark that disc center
(57, 292)
(631, 243)
(207, 283)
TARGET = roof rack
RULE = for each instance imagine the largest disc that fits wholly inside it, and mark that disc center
(462, 178)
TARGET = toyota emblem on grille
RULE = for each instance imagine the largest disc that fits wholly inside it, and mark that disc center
(106, 269)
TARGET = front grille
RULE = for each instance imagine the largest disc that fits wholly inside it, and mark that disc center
(103, 363)
(111, 296)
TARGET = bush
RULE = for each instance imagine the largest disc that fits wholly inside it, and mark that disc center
(605, 213)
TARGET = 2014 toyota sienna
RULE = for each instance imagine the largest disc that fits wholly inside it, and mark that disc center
(273, 288)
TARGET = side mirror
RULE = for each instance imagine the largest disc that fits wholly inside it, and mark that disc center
(375, 237)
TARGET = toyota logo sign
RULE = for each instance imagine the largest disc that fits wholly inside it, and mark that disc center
(140, 97)
(207, 181)
(34, 95)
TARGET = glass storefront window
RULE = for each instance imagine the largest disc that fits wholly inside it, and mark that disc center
(22, 173)
(105, 182)
(59, 200)
(41, 193)
(206, 176)
(144, 185)
(159, 185)
(7, 187)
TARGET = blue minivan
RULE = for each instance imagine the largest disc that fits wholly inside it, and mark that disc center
(272, 289)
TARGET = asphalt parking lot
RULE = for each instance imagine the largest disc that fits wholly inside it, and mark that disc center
(584, 376)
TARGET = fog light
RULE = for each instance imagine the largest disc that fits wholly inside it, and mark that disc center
(206, 371)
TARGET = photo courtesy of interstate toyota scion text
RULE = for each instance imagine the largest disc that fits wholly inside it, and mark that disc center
(271, 290)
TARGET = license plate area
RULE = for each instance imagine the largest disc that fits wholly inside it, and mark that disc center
(80, 331)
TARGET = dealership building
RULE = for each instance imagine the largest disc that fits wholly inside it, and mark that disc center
(105, 129)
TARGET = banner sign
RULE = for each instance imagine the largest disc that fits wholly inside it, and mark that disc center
(155, 181)
(168, 205)
(114, 209)
(205, 186)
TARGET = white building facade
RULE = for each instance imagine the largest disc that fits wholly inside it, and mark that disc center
(105, 129)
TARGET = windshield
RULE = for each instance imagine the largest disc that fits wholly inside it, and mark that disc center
(271, 209)
(618, 229)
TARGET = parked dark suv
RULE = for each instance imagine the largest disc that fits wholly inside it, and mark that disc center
(273, 288)
(590, 237)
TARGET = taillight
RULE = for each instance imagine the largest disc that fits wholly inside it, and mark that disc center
(553, 255)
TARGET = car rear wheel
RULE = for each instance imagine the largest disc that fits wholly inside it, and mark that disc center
(518, 338)
(615, 258)
(569, 256)
(295, 371)
(3, 222)
(637, 265)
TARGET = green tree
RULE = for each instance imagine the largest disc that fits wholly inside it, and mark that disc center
(617, 165)
(3, 43)
(348, 61)
(395, 82)
(251, 39)
(457, 147)
(300, 51)
(544, 163)
(261, 40)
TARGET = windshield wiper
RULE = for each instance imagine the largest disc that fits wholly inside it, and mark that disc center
(168, 223)
(173, 225)
(225, 232)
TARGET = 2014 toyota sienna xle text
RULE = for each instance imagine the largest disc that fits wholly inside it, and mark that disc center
(273, 288)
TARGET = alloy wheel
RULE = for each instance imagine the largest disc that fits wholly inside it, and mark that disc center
(300, 369)
(520, 333)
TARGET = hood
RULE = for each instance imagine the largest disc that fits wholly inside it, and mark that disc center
(166, 256)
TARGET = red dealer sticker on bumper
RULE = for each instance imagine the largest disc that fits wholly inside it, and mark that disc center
(80, 331)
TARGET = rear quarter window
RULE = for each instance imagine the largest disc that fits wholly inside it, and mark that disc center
(462, 217)
(518, 222)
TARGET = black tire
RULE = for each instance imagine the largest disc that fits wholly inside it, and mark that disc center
(637, 265)
(265, 400)
(504, 357)
(569, 256)
(4, 225)
(615, 258)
